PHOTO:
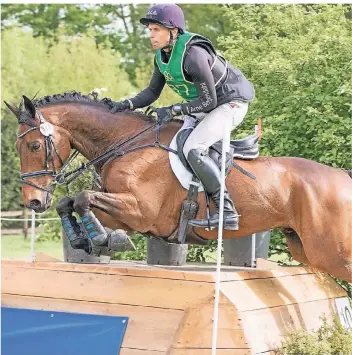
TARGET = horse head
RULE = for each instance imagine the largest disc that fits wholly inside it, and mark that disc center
(42, 149)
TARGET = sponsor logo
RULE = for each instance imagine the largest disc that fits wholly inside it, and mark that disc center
(152, 13)
(205, 90)
(196, 109)
(168, 76)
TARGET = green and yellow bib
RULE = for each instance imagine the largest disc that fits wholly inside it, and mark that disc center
(173, 71)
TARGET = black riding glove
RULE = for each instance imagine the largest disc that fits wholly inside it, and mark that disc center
(166, 114)
(120, 106)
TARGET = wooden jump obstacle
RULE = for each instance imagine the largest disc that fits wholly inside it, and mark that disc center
(170, 309)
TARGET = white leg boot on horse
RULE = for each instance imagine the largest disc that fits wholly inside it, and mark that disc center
(223, 119)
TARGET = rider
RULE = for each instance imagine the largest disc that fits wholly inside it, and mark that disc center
(215, 92)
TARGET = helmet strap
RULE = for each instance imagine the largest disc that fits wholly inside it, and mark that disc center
(170, 44)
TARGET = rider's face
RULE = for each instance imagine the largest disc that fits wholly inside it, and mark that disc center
(159, 35)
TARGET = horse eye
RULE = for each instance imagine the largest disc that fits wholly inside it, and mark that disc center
(34, 146)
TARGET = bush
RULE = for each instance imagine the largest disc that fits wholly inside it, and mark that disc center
(327, 340)
(298, 58)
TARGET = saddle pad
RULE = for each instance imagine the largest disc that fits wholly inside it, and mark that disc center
(182, 174)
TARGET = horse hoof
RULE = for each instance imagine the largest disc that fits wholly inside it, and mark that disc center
(119, 241)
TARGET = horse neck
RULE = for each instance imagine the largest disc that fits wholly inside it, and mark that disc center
(92, 130)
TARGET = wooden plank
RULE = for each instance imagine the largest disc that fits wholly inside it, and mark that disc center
(203, 273)
(126, 268)
(149, 329)
(208, 352)
(266, 293)
(126, 351)
(197, 327)
(11, 213)
(242, 275)
(266, 328)
(263, 263)
(120, 289)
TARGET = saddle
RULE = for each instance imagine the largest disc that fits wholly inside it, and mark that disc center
(246, 148)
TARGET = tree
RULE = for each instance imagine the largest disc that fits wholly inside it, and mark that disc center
(119, 24)
(28, 64)
(299, 60)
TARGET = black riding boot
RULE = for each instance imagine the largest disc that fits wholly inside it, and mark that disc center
(210, 176)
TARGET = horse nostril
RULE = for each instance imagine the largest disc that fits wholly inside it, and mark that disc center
(34, 204)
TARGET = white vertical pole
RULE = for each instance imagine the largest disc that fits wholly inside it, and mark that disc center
(253, 250)
(225, 148)
(33, 237)
(258, 132)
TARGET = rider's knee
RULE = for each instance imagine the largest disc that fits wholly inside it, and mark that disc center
(203, 149)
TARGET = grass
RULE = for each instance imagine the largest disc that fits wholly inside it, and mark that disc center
(16, 247)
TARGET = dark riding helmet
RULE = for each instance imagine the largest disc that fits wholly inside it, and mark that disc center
(167, 15)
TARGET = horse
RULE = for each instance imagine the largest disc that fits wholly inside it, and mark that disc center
(309, 201)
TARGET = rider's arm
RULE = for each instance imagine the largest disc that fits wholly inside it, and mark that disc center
(152, 92)
(197, 65)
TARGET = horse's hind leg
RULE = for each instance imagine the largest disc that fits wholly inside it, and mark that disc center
(343, 272)
(295, 246)
(327, 244)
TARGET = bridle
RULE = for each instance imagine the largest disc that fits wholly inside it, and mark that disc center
(46, 129)
(61, 178)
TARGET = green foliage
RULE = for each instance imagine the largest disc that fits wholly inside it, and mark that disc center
(51, 229)
(278, 247)
(118, 24)
(29, 64)
(140, 242)
(11, 195)
(202, 254)
(345, 285)
(327, 340)
(299, 59)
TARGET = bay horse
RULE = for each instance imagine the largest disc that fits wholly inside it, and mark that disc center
(310, 201)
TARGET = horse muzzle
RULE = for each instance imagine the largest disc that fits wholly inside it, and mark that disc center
(39, 206)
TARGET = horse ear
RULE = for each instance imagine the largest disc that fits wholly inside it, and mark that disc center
(29, 106)
(15, 110)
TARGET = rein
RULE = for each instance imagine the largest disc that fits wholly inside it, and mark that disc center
(62, 178)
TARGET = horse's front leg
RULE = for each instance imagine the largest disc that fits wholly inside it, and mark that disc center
(116, 240)
(93, 237)
(72, 229)
(123, 207)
